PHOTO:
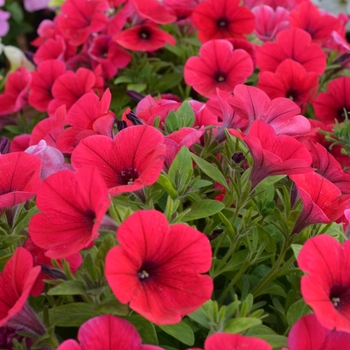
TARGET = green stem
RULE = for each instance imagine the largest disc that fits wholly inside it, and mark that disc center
(274, 272)
(238, 275)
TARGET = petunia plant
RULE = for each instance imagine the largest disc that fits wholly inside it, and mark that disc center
(174, 175)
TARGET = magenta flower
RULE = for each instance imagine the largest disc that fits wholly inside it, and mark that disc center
(218, 65)
(107, 333)
(158, 268)
(326, 287)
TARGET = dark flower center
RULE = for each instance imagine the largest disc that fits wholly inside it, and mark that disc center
(343, 112)
(292, 94)
(340, 297)
(144, 33)
(4, 191)
(89, 216)
(127, 176)
(222, 22)
(147, 272)
(220, 76)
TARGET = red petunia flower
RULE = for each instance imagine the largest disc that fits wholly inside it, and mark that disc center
(319, 25)
(154, 11)
(273, 154)
(323, 201)
(109, 55)
(178, 139)
(107, 332)
(80, 18)
(15, 93)
(293, 43)
(227, 341)
(81, 200)
(149, 108)
(308, 334)
(20, 178)
(326, 287)
(334, 104)
(158, 268)
(282, 114)
(220, 19)
(132, 160)
(269, 22)
(290, 80)
(40, 93)
(144, 37)
(48, 129)
(69, 87)
(54, 49)
(327, 166)
(218, 65)
(17, 281)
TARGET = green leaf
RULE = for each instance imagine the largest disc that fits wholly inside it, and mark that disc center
(296, 311)
(241, 324)
(180, 331)
(266, 333)
(68, 288)
(166, 183)
(185, 115)
(8, 241)
(275, 289)
(169, 81)
(296, 249)
(237, 260)
(201, 315)
(145, 328)
(16, 11)
(113, 307)
(170, 122)
(123, 79)
(203, 209)
(182, 163)
(107, 244)
(210, 170)
(137, 87)
(71, 315)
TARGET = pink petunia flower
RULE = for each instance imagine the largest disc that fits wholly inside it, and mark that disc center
(81, 201)
(158, 268)
(218, 65)
(127, 163)
(107, 332)
(326, 287)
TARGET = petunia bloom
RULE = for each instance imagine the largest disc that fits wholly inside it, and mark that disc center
(227, 341)
(308, 334)
(127, 163)
(281, 113)
(107, 332)
(218, 65)
(81, 200)
(290, 80)
(18, 282)
(159, 268)
(20, 178)
(293, 43)
(273, 154)
(80, 18)
(144, 37)
(333, 104)
(269, 22)
(326, 287)
(220, 19)
(322, 200)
